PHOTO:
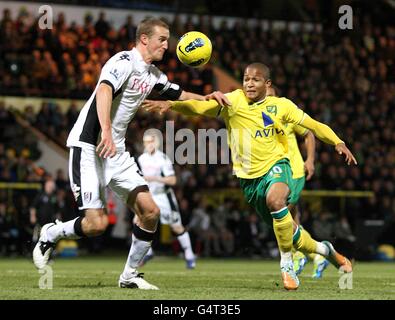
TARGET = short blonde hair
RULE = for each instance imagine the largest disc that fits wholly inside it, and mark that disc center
(147, 25)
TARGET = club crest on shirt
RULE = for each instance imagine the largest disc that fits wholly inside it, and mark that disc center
(272, 109)
(115, 73)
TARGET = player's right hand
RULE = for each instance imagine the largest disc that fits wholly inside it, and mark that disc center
(155, 105)
(220, 97)
(106, 147)
(309, 168)
(342, 149)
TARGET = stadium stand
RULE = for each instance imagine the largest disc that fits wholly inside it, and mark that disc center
(347, 80)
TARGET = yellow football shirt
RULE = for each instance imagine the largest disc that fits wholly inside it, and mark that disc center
(256, 139)
(278, 111)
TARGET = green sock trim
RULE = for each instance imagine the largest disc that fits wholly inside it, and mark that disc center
(280, 214)
(296, 236)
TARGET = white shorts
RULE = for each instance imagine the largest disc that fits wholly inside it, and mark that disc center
(89, 175)
(169, 211)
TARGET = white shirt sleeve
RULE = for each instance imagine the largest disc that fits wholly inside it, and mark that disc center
(165, 88)
(116, 70)
(167, 168)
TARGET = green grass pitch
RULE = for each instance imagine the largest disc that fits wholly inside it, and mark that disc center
(96, 278)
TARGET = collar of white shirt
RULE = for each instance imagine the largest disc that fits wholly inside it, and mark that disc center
(141, 66)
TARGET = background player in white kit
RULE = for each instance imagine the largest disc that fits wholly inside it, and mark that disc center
(97, 150)
(158, 170)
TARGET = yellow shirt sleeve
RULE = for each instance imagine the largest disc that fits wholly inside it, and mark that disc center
(209, 108)
(299, 130)
(295, 115)
(321, 130)
(292, 113)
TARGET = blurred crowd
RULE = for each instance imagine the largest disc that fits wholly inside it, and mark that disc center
(65, 61)
(345, 79)
(40, 199)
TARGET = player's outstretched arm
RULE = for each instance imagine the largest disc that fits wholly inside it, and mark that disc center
(327, 135)
(209, 108)
(216, 95)
(156, 106)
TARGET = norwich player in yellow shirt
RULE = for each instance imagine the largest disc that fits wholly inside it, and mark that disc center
(301, 171)
(260, 160)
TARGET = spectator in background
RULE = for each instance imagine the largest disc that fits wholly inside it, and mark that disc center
(60, 180)
(387, 236)
(4, 229)
(102, 26)
(43, 120)
(323, 225)
(219, 224)
(29, 115)
(44, 209)
(25, 228)
(65, 209)
(200, 227)
(128, 30)
(9, 232)
(253, 235)
(344, 238)
(72, 115)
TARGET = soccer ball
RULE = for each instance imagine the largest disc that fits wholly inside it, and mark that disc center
(194, 49)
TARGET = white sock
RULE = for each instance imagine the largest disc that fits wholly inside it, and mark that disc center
(322, 249)
(286, 258)
(138, 250)
(62, 230)
(185, 242)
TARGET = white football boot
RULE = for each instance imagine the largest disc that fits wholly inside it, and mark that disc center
(43, 249)
(135, 282)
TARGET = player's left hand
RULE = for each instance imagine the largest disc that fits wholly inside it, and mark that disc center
(220, 97)
(106, 147)
(155, 105)
(342, 149)
(309, 167)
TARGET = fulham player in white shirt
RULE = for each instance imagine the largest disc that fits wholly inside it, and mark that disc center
(158, 171)
(97, 150)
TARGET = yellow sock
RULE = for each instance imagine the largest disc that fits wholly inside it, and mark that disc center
(298, 254)
(282, 225)
(303, 241)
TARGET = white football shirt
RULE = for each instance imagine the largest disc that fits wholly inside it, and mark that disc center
(132, 80)
(157, 164)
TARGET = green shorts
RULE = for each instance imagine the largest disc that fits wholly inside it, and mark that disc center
(255, 190)
(298, 185)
